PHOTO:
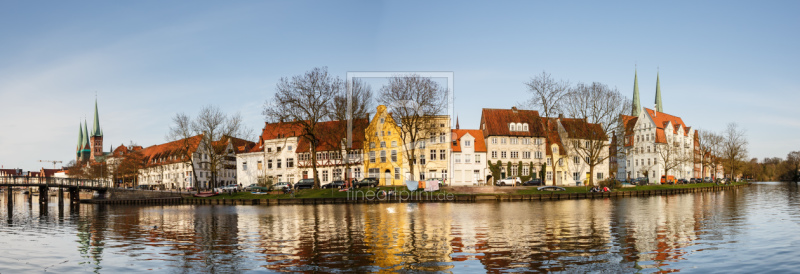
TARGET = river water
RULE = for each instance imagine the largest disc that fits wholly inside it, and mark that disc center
(752, 229)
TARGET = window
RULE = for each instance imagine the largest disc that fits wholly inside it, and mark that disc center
(397, 173)
(371, 144)
(433, 154)
(457, 158)
(514, 154)
(324, 175)
(599, 175)
(289, 148)
(587, 159)
(394, 143)
(467, 143)
(549, 175)
(468, 158)
(290, 162)
(514, 171)
(278, 163)
(383, 144)
(278, 149)
(244, 166)
(389, 133)
(502, 154)
(422, 159)
(503, 141)
(442, 154)
(337, 174)
(576, 176)
(494, 140)
(561, 162)
(526, 154)
(373, 172)
(512, 127)
(441, 136)
(357, 172)
(381, 120)
(575, 159)
(383, 156)
(648, 149)
(526, 170)
(538, 154)
(513, 141)
(526, 141)
(549, 161)
(477, 158)
(525, 127)
(494, 154)
(269, 164)
(648, 162)
(628, 163)
(394, 155)
(555, 150)
(372, 156)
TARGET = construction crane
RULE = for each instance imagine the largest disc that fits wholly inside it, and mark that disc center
(54, 162)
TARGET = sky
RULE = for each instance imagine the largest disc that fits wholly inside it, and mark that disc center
(145, 61)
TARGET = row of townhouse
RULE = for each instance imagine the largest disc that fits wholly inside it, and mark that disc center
(167, 166)
(510, 143)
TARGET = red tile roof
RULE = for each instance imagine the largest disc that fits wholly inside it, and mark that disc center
(661, 119)
(162, 152)
(497, 122)
(629, 122)
(480, 142)
(551, 129)
(330, 134)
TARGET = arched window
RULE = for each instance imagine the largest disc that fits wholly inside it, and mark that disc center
(511, 127)
(525, 127)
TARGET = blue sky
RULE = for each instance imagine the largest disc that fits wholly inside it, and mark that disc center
(719, 62)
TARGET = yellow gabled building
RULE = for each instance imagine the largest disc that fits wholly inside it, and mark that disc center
(383, 149)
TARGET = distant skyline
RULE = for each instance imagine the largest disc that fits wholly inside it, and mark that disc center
(719, 62)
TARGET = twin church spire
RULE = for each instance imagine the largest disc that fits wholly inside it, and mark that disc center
(90, 144)
(636, 108)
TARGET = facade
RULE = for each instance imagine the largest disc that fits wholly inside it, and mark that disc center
(334, 161)
(514, 136)
(279, 142)
(556, 158)
(655, 142)
(433, 151)
(583, 141)
(469, 157)
(384, 151)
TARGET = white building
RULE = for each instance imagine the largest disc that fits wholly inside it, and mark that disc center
(279, 142)
(330, 152)
(469, 157)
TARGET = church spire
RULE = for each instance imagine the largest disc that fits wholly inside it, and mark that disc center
(636, 108)
(457, 127)
(96, 128)
(80, 137)
(659, 105)
(85, 136)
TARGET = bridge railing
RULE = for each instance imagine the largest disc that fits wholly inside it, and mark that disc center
(55, 182)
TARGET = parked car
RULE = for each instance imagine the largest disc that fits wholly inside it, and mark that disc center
(533, 182)
(641, 181)
(281, 185)
(334, 184)
(304, 184)
(227, 188)
(707, 180)
(683, 181)
(256, 187)
(368, 182)
(510, 181)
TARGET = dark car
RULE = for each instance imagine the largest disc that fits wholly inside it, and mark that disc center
(533, 182)
(304, 184)
(334, 184)
(368, 182)
(641, 181)
(683, 181)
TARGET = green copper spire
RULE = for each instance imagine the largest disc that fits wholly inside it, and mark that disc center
(96, 128)
(636, 108)
(85, 136)
(659, 105)
(80, 137)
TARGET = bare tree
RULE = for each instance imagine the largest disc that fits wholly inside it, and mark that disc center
(414, 101)
(546, 94)
(672, 154)
(709, 148)
(306, 99)
(600, 106)
(734, 147)
(356, 115)
(793, 164)
(215, 130)
(182, 131)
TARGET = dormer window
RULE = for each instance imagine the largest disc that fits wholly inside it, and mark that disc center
(512, 127)
(525, 127)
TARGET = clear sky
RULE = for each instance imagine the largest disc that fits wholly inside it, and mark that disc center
(720, 62)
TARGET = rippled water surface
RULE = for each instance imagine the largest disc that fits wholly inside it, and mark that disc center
(753, 230)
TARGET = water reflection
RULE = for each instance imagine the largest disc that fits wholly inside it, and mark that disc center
(647, 234)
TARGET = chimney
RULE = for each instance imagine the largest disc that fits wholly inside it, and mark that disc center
(514, 109)
(561, 116)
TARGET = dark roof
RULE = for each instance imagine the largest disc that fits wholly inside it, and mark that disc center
(581, 129)
(330, 134)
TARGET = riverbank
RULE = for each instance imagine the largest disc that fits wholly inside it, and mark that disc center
(398, 194)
